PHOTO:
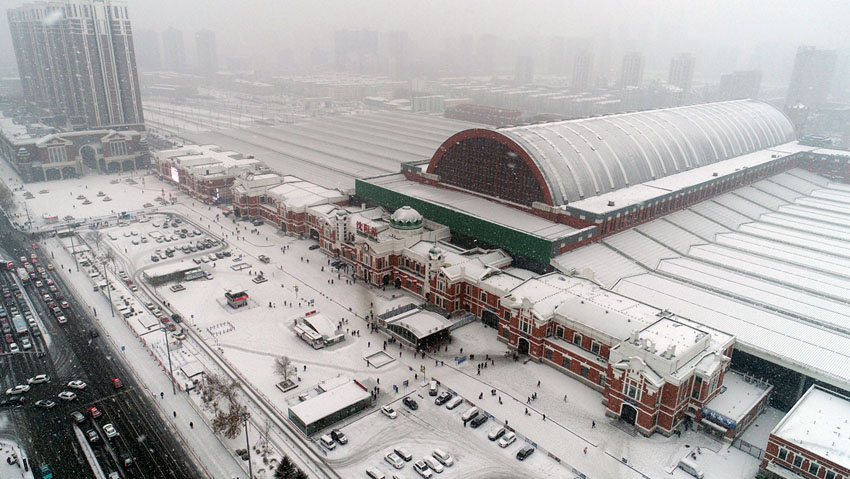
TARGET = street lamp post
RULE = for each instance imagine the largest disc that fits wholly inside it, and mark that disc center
(248, 447)
(73, 249)
(108, 289)
(170, 370)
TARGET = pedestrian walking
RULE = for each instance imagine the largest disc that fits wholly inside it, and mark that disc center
(174, 412)
(585, 450)
(593, 424)
(538, 383)
(191, 425)
(161, 395)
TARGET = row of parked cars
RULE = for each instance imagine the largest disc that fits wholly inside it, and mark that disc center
(426, 467)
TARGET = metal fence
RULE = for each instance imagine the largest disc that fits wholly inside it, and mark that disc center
(754, 451)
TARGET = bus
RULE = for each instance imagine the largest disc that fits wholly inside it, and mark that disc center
(23, 275)
(20, 324)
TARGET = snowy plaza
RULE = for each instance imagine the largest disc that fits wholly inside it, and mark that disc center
(575, 432)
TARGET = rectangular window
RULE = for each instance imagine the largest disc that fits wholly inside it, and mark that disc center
(631, 390)
(506, 332)
(483, 297)
(57, 154)
(584, 371)
(695, 393)
(525, 327)
(548, 354)
(559, 332)
(577, 339)
(507, 315)
(813, 468)
(119, 148)
(467, 289)
(830, 475)
(548, 331)
(783, 454)
(566, 362)
(713, 385)
(594, 347)
(798, 461)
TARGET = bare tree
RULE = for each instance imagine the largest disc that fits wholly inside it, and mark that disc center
(283, 367)
(263, 443)
(110, 256)
(230, 422)
(218, 387)
(97, 236)
(7, 199)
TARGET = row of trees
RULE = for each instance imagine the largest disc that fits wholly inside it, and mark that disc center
(7, 199)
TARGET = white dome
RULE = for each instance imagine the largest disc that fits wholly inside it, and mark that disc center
(406, 216)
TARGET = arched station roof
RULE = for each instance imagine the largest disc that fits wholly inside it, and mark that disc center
(570, 160)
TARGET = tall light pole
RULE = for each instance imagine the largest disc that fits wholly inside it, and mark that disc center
(170, 370)
(248, 447)
(73, 249)
(108, 289)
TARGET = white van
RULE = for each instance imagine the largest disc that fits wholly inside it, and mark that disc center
(375, 474)
(454, 402)
(328, 442)
(470, 414)
(432, 388)
(690, 467)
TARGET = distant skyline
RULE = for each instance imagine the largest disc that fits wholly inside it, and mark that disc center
(722, 35)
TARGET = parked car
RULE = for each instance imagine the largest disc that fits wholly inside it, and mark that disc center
(422, 469)
(434, 464)
(393, 460)
(67, 395)
(77, 384)
(444, 457)
(339, 436)
(524, 453)
(94, 412)
(78, 417)
(442, 398)
(496, 433)
(508, 439)
(403, 453)
(389, 412)
(411, 403)
(477, 421)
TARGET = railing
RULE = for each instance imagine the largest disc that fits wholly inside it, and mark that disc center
(754, 451)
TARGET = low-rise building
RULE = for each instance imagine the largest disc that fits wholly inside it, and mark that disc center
(206, 172)
(811, 441)
(38, 152)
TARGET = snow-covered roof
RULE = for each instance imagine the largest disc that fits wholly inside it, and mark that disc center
(321, 324)
(329, 402)
(738, 395)
(646, 192)
(295, 192)
(420, 322)
(476, 206)
(768, 263)
(818, 423)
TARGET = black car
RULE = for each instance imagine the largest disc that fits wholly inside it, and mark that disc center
(478, 420)
(410, 403)
(313, 246)
(524, 453)
(339, 436)
(443, 398)
(16, 401)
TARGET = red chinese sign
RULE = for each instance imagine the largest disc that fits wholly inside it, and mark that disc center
(367, 229)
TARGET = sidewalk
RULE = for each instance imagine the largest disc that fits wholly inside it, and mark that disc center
(209, 452)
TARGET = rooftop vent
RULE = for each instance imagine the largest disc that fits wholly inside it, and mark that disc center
(610, 203)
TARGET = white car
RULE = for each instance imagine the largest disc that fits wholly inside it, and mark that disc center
(507, 439)
(110, 430)
(41, 378)
(67, 395)
(77, 384)
(19, 389)
(389, 412)
(444, 457)
(434, 464)
(422, 469)
(393, 460)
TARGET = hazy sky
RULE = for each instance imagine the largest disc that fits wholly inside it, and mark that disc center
(254, 27)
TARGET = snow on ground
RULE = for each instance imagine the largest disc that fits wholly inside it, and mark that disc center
(9, 447)
(251, 337)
